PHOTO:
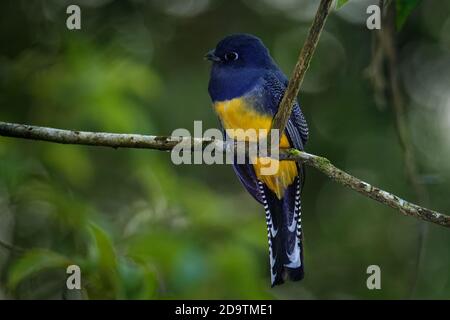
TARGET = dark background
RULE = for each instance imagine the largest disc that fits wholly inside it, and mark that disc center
(142, 228)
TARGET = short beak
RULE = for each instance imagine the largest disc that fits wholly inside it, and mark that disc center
(211, 56)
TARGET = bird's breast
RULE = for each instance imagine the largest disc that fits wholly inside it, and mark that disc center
(238, 114)
(241, 114)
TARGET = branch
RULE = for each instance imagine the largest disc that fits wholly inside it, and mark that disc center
(388, 46)
(387, 43)
(407, 208)
(102, 139)
(116, 140)
(284, 111)
(10, 247)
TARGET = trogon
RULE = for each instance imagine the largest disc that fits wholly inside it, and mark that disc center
(246, 87)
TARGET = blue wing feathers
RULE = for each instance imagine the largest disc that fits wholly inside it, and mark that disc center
(247, 177)
(297, 128)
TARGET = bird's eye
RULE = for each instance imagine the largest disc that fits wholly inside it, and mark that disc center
(231, 56)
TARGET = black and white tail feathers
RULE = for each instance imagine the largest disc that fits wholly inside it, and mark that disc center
(283, 217)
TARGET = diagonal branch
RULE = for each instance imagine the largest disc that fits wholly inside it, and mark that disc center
(10, 247)
(407, 208)
(388, 45)
(284, 111)
(116, 140)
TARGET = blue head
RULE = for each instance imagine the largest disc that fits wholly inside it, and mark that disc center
(239, 61)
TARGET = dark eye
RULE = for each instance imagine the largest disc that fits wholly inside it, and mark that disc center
(231, 56)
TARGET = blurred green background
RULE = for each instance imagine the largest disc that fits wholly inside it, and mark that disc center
(142, 228)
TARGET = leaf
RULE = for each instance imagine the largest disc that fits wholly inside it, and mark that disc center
(340, 3)
(33, 262)
(104, 278)
(104, 250)
(404, 9)
(73, 162)
(139, 280)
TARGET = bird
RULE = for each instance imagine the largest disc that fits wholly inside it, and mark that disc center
(246, 87)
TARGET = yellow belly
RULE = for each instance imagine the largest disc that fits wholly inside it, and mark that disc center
(237, 114)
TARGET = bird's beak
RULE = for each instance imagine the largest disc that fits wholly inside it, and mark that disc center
(211, 56)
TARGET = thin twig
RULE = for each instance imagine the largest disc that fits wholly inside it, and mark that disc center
(387, 42)
(115, 140)
(388, 47)
(284, 111)
(11, 247)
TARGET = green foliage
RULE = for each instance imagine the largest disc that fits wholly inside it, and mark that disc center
(404, 9)
(105, 280)
(87, 77)
(34, 261)
(340, 3)
(103, 252)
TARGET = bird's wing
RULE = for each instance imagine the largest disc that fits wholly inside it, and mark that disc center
(299, 122)
(247, 176)
(297, 128)
(275, 84)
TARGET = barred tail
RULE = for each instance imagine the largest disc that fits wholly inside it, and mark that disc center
(284, 233)
(294, 242)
